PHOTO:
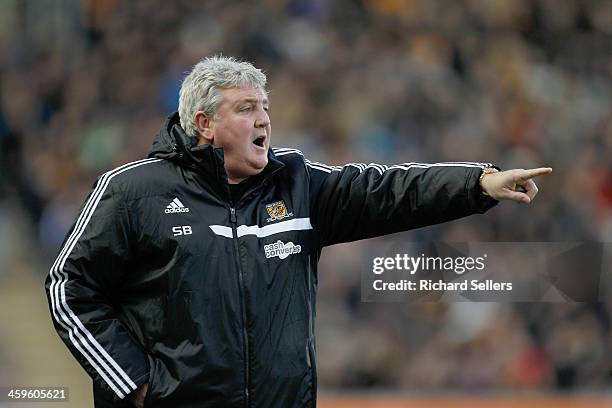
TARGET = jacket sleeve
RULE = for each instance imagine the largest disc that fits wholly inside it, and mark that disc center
(80, 289)
(359, 201)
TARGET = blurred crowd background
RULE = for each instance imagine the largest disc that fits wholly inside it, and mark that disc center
(85, 85)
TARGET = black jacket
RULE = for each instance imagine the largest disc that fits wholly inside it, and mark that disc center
(163, 280)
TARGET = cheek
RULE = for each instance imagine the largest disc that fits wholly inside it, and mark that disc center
(243, 131)
(237, 134)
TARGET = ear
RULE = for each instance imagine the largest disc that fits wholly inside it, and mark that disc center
(204, 126)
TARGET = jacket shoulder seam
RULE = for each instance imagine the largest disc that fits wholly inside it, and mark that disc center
(295, 154)
(127, 167)
(120, 185)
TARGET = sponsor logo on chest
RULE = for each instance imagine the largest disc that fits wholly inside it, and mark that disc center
(281, 249)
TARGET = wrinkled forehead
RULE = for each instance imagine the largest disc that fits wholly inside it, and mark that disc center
(236, 95)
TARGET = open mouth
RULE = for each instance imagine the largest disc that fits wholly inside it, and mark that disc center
(259, 141)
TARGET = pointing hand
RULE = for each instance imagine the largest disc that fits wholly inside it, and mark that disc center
(516, 185)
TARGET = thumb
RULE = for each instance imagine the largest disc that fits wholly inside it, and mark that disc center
(517, 196)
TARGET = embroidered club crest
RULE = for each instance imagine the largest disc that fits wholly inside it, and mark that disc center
(277, 211)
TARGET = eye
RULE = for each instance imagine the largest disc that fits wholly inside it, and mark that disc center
(245, 108)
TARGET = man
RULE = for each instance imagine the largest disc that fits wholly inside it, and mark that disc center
(189, 278)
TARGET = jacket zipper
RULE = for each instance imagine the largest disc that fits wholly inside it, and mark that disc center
(241, 278)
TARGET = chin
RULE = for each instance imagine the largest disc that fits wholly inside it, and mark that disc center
(261, 160)
(257, 166)
(261, 165)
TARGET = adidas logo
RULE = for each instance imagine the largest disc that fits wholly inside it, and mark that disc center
(176, 207)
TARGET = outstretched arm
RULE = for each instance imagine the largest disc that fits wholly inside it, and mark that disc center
(359, 201)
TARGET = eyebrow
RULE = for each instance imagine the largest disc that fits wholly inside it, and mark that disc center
(253, 100)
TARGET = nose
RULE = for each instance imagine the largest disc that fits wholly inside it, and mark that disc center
(262, 120)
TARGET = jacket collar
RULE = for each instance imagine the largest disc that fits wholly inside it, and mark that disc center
(172, 143)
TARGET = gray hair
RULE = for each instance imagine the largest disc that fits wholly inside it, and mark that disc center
(200, 88)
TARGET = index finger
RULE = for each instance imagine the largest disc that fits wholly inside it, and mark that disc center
(530, 173)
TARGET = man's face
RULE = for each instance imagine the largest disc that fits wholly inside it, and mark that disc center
(242, 128)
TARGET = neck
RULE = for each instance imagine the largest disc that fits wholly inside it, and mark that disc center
(234, 180)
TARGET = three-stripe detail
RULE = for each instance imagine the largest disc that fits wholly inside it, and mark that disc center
(380, 168)
(81, 338)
